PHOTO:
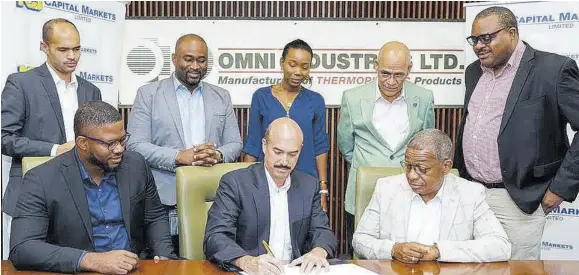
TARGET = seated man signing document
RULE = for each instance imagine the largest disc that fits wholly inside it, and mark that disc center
(270, 203)
(428, 213)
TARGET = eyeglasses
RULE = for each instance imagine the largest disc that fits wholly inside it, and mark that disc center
(111, 145)
(484, 38)
(398, 76)
(421, 170)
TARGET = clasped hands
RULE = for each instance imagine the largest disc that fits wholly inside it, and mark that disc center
(200, 155)
(412, 252)
(266, 264)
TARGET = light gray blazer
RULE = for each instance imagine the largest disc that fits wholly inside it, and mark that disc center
(469, 230)
(157, 133)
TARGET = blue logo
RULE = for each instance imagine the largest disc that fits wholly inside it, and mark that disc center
(564, 211)
(87, 50)
(562, 17)
(550, 245)
(96, 77)
(83, 12)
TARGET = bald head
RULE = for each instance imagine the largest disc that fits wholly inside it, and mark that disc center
(188, 39)
(394, 53)
(285, 128)
(281, 147)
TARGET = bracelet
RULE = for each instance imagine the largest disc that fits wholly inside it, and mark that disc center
(323, 182)
(324, 191)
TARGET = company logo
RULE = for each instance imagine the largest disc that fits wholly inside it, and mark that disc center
(336, 66)
(562, 20)
(24, 68)
(82, 12)
(151, 60)
(87, 50)
(30, 5)
(96, 77)
(565, 211)
(550, 245)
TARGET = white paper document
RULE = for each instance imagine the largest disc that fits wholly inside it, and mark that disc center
(341, 269)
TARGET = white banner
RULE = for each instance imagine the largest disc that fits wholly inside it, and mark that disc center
(552, 27)
(100, 25)
(244, 54)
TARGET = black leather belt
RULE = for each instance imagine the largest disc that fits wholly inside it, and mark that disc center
(493, 185)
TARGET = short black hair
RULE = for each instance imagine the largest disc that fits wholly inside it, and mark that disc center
(506, 16)
(296, 44)
(48, 28)
(94, 113)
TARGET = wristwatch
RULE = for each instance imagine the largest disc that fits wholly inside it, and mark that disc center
(219, 156)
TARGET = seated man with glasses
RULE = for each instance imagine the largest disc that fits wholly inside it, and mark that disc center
(92, 208)
(379, 118)
(429, 214)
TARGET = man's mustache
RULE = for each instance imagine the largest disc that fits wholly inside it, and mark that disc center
(281, 166)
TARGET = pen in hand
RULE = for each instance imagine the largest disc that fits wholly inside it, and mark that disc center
(267, 249)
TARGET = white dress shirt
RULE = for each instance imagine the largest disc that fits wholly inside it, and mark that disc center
(68, 103)
(192, 113)
(279, 229)
(424, 219)
(391, 118)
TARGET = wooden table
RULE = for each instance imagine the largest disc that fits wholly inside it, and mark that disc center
(200, 267)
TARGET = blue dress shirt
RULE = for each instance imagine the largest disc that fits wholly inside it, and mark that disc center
(108, 228)
(308, 110)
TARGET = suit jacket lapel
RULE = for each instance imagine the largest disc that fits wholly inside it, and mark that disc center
(71, 174)
(517, 86)
(52, 93)
(367, 103)
(124, 186)
(208, 102)
(168, 88)
(449, 207)
(81, 92)
(296, 213)
(261, 200)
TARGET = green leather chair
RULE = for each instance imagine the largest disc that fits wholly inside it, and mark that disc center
(196, 188)
(366, 180)
(31, 162)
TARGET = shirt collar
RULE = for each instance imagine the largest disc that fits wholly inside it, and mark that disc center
(513, 61)
(378, 94)
(438, 194)
(179, 86)
(57, 78)
(271, 183)
(86, 178)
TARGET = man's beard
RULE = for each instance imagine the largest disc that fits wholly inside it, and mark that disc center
(102, 164)
(191, 82)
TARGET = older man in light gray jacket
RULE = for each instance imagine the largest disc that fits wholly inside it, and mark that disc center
(428, 213)
(183, 121)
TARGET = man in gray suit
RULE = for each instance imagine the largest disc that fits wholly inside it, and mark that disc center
(183, 121)
(38, 106)
(428, 213)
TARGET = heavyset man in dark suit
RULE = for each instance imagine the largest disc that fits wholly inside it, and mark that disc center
(93, 208)
(513, 136)
(269, 202)
(38, 106)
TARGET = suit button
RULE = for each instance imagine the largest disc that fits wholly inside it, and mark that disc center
(391, 157)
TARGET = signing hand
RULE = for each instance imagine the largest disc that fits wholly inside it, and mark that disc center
(262, 265)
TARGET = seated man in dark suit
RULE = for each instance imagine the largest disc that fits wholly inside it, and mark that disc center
(92, 208)
(269, 202)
